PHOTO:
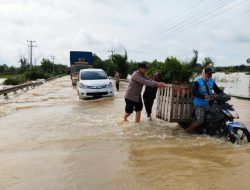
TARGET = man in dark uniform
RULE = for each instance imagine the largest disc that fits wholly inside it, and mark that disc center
(150, 94)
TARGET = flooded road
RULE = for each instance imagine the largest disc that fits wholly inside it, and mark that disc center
(1, 83)
(49, 139)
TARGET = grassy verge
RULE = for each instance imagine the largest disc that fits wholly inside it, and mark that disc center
(26, 76)
(5, 75)
(15, 80)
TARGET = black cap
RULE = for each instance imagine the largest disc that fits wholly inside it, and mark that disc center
(208, 70)
(142, 65)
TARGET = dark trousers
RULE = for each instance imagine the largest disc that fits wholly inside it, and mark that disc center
(148, 106)
(117, 85)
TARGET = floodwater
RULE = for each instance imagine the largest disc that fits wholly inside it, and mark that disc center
(237, 84)
(1, 83)
(49, 139)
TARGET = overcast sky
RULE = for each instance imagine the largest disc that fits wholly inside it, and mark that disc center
(146, 29)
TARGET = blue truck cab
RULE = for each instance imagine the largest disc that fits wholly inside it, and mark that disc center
(79, 60)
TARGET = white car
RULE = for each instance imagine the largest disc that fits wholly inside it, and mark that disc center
(94, 83)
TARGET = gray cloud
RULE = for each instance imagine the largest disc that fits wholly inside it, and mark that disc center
(59, 26)
(242, 39)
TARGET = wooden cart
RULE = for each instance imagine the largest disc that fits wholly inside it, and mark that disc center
(174, 103)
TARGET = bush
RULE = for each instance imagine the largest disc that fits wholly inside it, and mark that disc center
(15, 80)
(171, 70)
(35, 74)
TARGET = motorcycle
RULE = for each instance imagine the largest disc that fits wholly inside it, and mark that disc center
(219, 121)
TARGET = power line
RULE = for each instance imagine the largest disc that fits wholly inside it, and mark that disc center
(175, 20)
(31, 46)
(179, 13)
(4, 37)
(188, 20)
(218, 24)
(201, 21)
(7, 33)
(10, 30)
(195, 23)
(6, 30)
(8, 38)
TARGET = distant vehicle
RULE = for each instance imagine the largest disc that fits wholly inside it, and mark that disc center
(94, 83)
(79, 60)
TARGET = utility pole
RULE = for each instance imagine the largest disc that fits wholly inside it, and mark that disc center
(53, 58)
(112, 52)
(31, 46)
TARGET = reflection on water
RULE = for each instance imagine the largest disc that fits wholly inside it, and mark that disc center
(49, 139)
(234, 83)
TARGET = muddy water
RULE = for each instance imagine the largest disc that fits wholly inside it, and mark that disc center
(234, 83)
(49, 139)
(1, 83)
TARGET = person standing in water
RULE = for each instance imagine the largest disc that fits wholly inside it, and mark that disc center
(150, 94)
(133, 94)
(117, 80)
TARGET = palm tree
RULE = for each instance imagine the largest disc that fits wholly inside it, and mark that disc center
(207, 62)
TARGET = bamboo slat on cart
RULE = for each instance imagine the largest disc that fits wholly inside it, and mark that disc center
(174, 103)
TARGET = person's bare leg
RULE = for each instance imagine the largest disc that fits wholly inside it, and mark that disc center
(138, 117)
(126, 116)
(192, 126)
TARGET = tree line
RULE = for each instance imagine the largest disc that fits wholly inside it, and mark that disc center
(26, 71)
(172, 69)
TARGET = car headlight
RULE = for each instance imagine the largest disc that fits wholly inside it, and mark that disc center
(109, 85)
(82, 85)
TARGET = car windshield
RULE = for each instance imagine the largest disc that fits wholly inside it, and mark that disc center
(93, 75)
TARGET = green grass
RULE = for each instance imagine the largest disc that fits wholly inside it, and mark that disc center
(15, 79)
(6, 75)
